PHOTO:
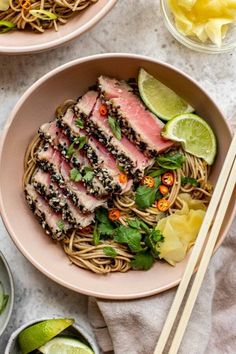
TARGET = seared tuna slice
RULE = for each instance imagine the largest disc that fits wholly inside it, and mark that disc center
(50, 220)
(126, 153)
(78, 113)
(52, 161)
(55, 136)
(103, 162)
(86, 103)
(85, 201)
(58, 201)
(77, 218)
(137, 122)
(51, 133)
(49, 189)
(111, 88)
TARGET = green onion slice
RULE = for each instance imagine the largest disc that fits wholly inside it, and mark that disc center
(43, 15)
(6, 26)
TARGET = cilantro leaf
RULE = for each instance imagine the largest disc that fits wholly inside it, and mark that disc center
(138, 224)
(105, 226)
(79, 123)
(153, 240)
(171, 161)
(75, 175)
(60, 225)
(189, 180)
(106, 229)
(129, 236)
(89, 174)
(102, 215)
(109, 251)
(96, 235)
(143, 261)
(146, 196)
(134, 223)
(115, 127)
(80, 141)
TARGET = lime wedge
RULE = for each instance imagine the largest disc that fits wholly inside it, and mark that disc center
(194, 133)
(65, 345)
(40, 333)
(160, 99)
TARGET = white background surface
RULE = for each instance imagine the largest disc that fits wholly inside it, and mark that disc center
(133, 26)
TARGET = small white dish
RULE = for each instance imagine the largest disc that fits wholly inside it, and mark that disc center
(75, 329)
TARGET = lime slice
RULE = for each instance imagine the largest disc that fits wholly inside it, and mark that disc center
(65, 345)
(40, 333)
(161, 100)
(195, 135)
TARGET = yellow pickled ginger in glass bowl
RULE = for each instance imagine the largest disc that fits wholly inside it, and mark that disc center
(203, 25)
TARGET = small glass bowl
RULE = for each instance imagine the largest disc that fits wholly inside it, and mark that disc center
(228, 43)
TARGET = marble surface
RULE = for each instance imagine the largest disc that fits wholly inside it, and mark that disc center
(133, 26)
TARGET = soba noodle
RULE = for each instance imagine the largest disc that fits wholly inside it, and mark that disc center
(78, 244)
(19, 13)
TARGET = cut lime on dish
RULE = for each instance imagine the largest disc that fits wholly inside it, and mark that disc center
(40, 333)
(65, 345)
(195, 135)
(160, 99)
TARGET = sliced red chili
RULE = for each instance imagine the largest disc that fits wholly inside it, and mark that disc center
(168, 179)
(123, 178)
(148, 181)
(162, 204)
(87, 230)
(103, 110)
(114, 214)
(163, 189)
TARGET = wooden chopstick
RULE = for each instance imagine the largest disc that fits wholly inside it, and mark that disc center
(197, 249)
(205, 259)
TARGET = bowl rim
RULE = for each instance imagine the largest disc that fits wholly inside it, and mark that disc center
(12, 294)
(5, 219)
(75, 325)
(187, 41)
(36, 48)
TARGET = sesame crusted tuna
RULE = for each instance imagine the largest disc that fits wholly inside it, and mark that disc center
(86, 103)
(55, 136)
(104, 164)
(128, 156)
(50, 220)
(137, 122)
(51, 160)
(50, 190)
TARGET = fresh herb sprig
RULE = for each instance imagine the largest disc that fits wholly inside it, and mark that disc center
(110, 251)
(171, 161)
(189, 180)
(141, 240)
(77, 145)
(146, 196)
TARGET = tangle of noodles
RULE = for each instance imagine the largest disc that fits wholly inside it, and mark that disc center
(19, 12)
(78, 244)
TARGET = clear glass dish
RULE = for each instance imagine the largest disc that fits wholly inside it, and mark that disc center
(228, 43)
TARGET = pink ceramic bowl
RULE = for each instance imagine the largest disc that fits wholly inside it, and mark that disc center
(22, 42)
(36, 107)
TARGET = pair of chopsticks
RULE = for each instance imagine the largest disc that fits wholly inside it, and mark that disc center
(202, 252)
